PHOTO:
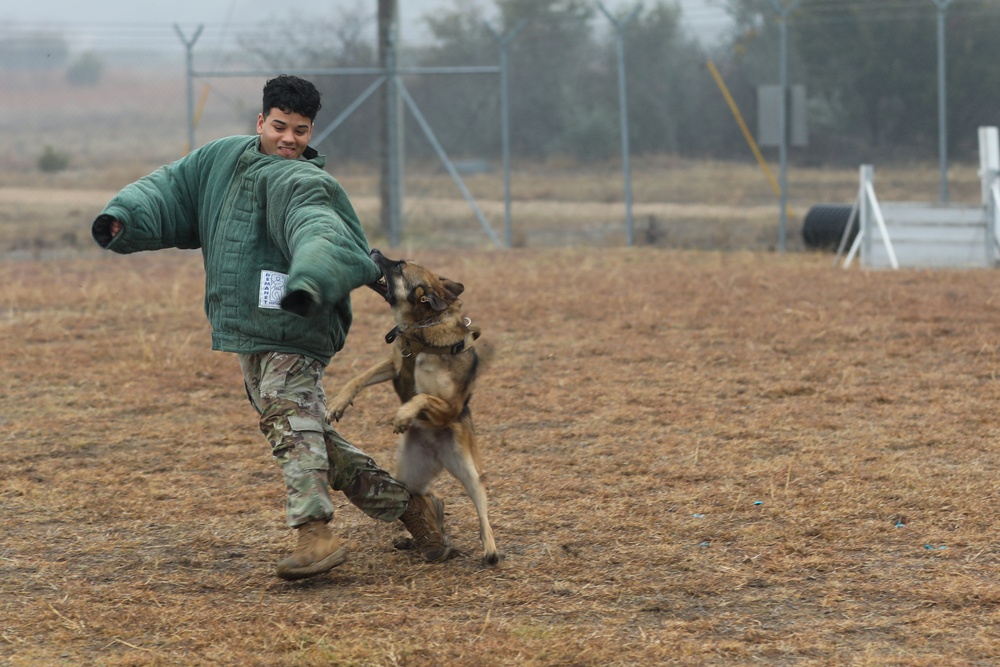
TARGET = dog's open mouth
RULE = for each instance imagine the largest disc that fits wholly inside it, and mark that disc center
(381, 286)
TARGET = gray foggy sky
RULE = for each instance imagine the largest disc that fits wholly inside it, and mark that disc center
(94, 20)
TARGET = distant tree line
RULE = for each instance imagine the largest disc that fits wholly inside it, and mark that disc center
(871, 71)
(869, 68)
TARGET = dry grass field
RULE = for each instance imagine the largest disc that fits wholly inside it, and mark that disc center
(698, 451)
(692, 457)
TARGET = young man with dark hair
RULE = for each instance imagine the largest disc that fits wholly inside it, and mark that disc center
(283, 249)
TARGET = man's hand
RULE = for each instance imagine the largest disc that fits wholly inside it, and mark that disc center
(299, 302)
(104, 229)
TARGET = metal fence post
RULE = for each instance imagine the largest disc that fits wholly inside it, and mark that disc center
(189, 75)
(623, 113)
(505, 123)
(942, 6)
(783, 13)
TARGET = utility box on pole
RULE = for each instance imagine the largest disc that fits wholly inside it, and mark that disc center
(768, 107)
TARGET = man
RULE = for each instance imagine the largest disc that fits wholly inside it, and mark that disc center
(282, 248)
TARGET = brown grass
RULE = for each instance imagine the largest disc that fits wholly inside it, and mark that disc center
(692, 457)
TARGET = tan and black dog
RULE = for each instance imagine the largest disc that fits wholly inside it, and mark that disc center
(433, 366)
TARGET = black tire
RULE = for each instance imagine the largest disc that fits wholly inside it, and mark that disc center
(824, 226)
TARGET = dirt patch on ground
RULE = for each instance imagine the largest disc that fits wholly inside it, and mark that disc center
(692, 458)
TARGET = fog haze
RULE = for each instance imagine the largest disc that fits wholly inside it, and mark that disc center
(129, 24)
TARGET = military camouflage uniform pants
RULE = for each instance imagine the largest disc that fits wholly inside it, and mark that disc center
(287, 391)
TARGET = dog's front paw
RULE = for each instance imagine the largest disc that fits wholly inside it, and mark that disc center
(337, 410)
(401, 425)
(402, 420)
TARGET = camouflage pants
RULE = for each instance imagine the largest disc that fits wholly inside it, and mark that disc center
(287, 391)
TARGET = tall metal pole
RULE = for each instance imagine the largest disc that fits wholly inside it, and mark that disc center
(505, 124)
(942, 6)
(783, 145)
(508, 235)
(388, 20)
(189, 59)
(623, 113)
(783, 13)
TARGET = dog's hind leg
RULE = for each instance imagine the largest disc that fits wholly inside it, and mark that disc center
(416, 468)
(460, 461)
(418, 462)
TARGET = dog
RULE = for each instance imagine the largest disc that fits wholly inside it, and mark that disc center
(433, 366)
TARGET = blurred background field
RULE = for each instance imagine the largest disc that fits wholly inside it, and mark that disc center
(108, 103)
(134, 121)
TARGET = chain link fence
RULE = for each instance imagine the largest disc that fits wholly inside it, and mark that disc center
(616, 127)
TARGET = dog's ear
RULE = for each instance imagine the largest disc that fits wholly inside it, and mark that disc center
(434, 301)
(421, 294)
(439, 303)
(454, 289)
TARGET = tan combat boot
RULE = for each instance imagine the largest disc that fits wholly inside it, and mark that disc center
(318, 551)
(424, 518)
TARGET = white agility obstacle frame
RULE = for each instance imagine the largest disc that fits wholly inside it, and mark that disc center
(919, 235)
